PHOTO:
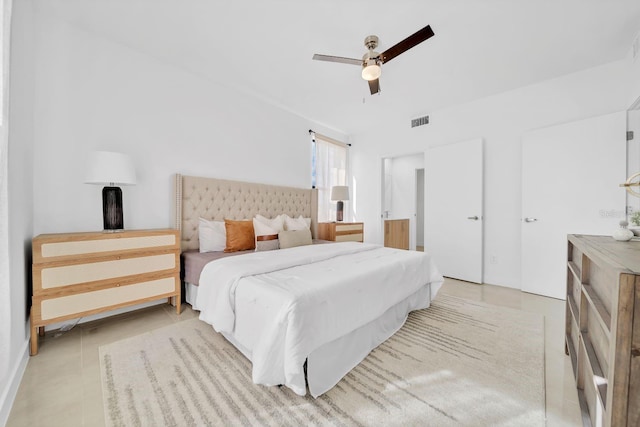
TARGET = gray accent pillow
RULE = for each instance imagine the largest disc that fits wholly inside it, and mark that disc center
(267, 245)
(291, 239)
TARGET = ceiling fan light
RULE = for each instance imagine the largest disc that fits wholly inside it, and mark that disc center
(371, 71)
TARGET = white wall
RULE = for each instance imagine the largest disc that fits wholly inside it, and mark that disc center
(20, 195)
(96, 94)
(500, 120)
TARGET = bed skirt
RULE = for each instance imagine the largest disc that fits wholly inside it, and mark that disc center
(330, 362)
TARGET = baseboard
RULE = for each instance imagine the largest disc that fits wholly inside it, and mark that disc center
(8, 395)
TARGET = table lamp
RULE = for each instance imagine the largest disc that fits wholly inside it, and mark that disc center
(339, 193)
(111, 169)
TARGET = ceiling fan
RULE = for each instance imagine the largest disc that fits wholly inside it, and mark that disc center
(371, 61)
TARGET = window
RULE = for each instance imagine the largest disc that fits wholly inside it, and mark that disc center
(329, 168)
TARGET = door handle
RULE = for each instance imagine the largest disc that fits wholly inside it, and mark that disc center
(530, 219)
(475, 218)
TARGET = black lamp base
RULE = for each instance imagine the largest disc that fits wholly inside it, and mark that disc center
(112, 209)
(339, 211)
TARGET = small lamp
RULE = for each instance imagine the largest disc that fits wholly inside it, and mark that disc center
(339, 193)
(111, 169)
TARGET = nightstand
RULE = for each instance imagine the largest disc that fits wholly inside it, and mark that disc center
(341, 231)
(78, 274)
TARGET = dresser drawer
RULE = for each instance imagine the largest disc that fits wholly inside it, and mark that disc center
(77, 304)
(341, 232)
(357, 237)
(349, 227)
(56, 276)
(57, 248)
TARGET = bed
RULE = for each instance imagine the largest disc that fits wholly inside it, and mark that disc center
(305, 315)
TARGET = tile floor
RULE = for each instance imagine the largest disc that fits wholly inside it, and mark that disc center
(61, 385)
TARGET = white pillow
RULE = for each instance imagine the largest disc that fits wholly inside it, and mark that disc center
(300, 223)
(276, 223)
(267, 228)
(262, 229)
(212, 235)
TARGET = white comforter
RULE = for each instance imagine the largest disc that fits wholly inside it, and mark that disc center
(324, 292)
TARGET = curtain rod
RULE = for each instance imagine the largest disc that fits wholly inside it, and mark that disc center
(329, 139)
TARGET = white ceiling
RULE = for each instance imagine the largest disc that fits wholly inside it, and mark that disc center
(264, 48)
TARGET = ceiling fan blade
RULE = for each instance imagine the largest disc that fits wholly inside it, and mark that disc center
(374, 86)
(337, 59)
(407, 44)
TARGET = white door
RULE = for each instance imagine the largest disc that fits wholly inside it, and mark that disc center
(570, 178)
(453, 209)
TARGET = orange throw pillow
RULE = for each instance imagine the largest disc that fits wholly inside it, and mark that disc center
(240, 236)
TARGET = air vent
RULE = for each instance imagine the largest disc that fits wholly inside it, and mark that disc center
(420, 121)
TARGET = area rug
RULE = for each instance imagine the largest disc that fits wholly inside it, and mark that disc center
(458, 362)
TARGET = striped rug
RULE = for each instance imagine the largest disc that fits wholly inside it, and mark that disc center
(456, 363)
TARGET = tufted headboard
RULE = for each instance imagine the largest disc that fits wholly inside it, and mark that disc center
(217, 199)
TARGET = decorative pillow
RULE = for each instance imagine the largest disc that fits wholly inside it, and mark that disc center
(291, 239)
(267, 243)
(276, 223)
(212, 235)
(266, 234)
(300, 223)
(240, 235)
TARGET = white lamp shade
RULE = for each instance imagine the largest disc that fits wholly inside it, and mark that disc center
(371, 72)
(109, 168)
(339, 193)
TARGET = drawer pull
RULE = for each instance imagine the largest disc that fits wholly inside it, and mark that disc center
(117, 285)
(635, 352)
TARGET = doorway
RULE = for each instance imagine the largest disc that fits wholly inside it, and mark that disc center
(399, 200)
(420, 210)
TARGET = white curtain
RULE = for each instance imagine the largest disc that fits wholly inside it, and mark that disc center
(330, 168)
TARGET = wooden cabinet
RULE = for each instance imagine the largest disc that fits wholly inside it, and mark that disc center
(77, 274)
(396, 233)
(603, 328)
(341, 231)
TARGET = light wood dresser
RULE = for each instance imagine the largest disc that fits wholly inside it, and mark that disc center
(341, 231)
(603, 328)
(78, 274)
